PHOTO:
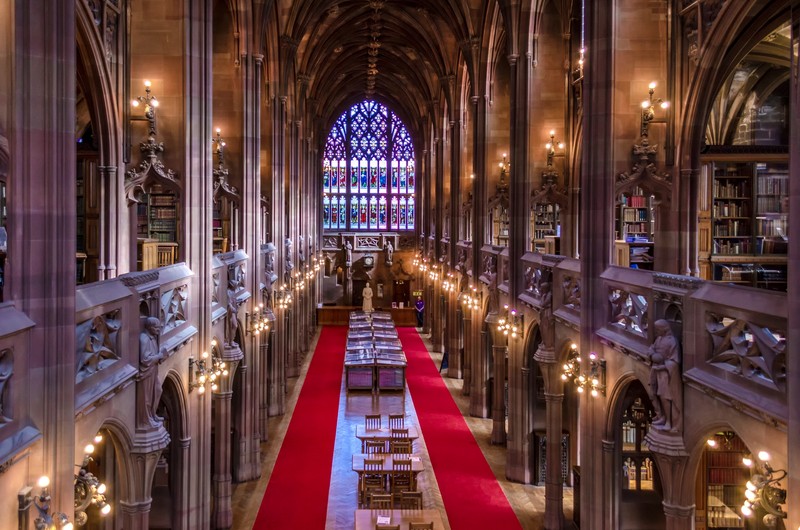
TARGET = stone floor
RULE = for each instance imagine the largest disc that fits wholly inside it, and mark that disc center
(527, 501)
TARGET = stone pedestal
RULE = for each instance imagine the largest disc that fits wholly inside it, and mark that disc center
(146, 450)
(676, 482)
(221, 482)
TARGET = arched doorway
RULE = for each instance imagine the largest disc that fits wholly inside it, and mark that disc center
(639, 485)
(168, 493)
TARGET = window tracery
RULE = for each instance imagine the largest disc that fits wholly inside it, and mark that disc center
(368, 173)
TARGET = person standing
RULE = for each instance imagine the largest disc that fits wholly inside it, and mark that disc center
(420, 307)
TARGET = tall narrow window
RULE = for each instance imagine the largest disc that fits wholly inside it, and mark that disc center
(368, 171)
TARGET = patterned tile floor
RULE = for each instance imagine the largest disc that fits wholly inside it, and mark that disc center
(527, 501)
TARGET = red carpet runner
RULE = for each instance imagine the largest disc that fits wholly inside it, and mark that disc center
(471, 494)
(297, 492)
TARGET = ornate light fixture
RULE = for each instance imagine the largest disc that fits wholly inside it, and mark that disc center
(551, 148)
(505, 167)
(473, 298)
(594, 379)
(649, 107)
(257, 321)
(764, 490)
(45, 520)
(283, 297)
(202, 375)
(150, 104)
(88, 489)
(512, 324)
(433, 275)
(449, 285)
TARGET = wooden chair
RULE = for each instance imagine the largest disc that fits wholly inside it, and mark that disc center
(400, 446)
(402, 479)
(373, 479)
(396, 421)
(387, 527)
(380, 501)
(410, 500)
(374, 447)
(420, 526)
(372, 422)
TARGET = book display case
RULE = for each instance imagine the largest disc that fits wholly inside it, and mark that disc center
(723, 479)
(634, 246)
(157, 227)
(544, 222)
(748, 222)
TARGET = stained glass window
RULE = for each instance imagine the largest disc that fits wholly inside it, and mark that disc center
(368, 171)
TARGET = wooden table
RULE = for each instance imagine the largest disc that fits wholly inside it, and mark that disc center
(367, 519)
(384, 434)
(388, 459)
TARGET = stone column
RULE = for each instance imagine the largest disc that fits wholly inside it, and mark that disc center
(455, 340)
(276, 390)
(671, 457)
(109, 223)
(40, 268)
(222, 481)
(595, 244)
(520, 452)
(554, 398)
(478, 402)
(265, 376)
(469, 346)
(499, 348)
(146, 450)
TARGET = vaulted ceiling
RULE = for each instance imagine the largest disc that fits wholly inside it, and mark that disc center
(397, 51)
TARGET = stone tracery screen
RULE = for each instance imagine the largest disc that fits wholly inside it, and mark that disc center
(368, 171)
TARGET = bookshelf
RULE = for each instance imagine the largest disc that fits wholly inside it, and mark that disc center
(634, 246)
(749, 222)
(157, 223)
(544, 222)
(219, 230)
(725, 479)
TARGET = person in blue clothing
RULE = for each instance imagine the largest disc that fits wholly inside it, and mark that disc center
(420, 307)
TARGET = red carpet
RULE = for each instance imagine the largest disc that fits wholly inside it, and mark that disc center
(471, 494)
(297, 492)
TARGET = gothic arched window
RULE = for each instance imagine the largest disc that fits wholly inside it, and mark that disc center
(369, 165)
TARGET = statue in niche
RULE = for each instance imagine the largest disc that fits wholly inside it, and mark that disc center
(366, 293)
(665, 378)
(547, 326)
(288, 264)
(494, 293)
(269, 273)
(461, 267)
(301, 253)
(388, 248)
(348, 254)
(98, 337)
(149, 385)
(6, 371)
(232, 316)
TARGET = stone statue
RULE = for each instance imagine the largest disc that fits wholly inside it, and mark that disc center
(301, 253)
(232, 316)
(6, 371)
(547, 326)
(269, 273)
(348, 254)
(287, 258)
(149, 385)
(388, 248)
(665, 378)
(366, 293)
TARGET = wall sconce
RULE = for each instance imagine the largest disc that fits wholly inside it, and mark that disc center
(201, 375)
(764, 491)
(219, 144)
(551, 148)
(45, 520)
(449, 285)
(512, 324)
(473, 299)
(257, 321)
(505, 167)
(298, 281)
(150, 103)
(88, 489)
(283, 297)
(433, 275)
(594, 379)
(648, 109)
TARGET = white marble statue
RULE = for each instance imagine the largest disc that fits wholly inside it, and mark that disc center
(366, 293)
